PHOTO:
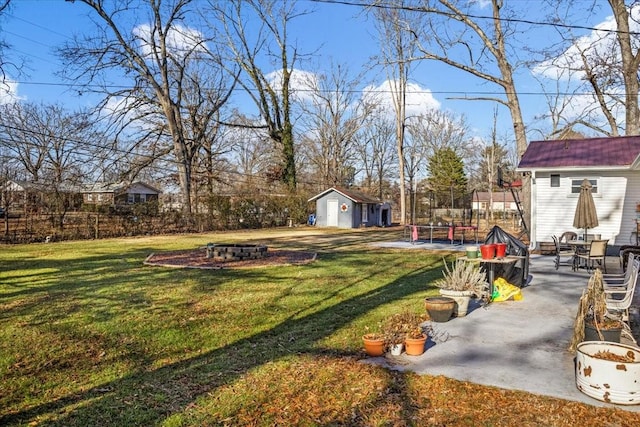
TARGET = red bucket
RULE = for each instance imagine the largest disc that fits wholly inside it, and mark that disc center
(488, 251)
(501, 250)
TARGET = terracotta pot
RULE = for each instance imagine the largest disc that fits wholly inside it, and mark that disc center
(415, 346)
(373, 346)
(440, 309)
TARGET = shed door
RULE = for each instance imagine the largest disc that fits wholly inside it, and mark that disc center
(332, 212)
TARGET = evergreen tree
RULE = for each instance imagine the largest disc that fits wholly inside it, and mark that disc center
(446, 177)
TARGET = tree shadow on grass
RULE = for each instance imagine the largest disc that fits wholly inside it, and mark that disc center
(149, 396)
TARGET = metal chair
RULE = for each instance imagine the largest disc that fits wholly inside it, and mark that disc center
(562, 251)
(619, 299)
(619, 279)
(597, 254)
(566, 236)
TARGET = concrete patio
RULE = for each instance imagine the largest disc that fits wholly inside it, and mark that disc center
(519, 345)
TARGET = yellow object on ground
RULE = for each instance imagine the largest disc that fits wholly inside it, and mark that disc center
(505, 291)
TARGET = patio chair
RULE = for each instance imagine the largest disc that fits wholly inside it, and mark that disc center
(619, 279)
(597, 254)
(563, 251)
(619, 300)
(566, 236)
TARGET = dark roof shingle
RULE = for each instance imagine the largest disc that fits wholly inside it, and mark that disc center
(591, 152)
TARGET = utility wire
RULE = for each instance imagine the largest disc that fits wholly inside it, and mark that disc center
(473, 16)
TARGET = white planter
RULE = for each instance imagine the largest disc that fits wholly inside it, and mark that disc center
(462, 299)
(396, 349)
(607, 380)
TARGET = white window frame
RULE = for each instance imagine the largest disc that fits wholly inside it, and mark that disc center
(575, 183)
(365, 212)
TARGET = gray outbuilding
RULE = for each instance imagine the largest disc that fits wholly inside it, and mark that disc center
(346, 208)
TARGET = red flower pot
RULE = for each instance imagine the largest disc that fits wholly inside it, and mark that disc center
(501, 250)
(488, 251)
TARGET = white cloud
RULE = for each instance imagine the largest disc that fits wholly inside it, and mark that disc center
(9, 92)
(418, 100)
(599, 44)
(180, 40)
(302, 84)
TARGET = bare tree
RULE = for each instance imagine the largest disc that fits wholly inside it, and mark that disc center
(331, 116)
(165, 60)
(4, 61)
(604, 64)
(398, 47)
(56, 148)
(255, 30)
(456, 36)
(375, 151)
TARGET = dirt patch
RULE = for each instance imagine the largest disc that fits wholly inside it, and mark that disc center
(197, 258)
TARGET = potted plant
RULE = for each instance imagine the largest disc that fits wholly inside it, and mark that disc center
(374, 344)
(393, 330)
(462, 281)
(593, 320)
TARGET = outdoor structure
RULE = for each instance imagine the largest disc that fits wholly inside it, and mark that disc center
(20, 197)
(120, 194)
(558, 169)
(498, 201)
(346, 208)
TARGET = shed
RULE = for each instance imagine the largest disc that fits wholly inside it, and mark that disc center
(557, 169)
(346, 208)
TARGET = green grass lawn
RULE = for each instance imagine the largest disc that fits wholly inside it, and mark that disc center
(91, 336)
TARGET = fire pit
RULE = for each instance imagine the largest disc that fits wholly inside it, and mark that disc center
(224, 252)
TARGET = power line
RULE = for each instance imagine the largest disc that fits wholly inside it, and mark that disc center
(473, 16)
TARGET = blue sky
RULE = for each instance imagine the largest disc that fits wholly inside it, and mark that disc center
(339, 34)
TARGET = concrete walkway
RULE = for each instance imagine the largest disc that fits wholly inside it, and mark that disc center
(518, 345)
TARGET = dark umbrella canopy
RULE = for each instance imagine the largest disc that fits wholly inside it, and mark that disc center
(586, 216)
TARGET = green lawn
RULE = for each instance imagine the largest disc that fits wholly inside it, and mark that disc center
(91, 336)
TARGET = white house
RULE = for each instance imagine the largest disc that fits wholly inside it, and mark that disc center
(500, 201)
(557, 169)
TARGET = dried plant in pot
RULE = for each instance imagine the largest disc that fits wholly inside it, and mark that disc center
(405, 328)
(462, 281)
(592, 314)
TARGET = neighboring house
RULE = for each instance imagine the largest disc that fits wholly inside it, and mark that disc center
(557, 169)
(25, 196)
(500, 201)
(345, 208)
(107, 194)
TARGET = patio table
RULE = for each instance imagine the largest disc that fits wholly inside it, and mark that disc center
(578, 246)
(490, 266)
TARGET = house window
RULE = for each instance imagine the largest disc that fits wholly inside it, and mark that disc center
(131, 198)
(555, 180)
(99, 197)
(576, 183)
(365, 212)
(89, 197)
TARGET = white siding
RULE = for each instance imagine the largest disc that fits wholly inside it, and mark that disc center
(616, 202)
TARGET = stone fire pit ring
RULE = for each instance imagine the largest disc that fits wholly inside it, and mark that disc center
(224, 252)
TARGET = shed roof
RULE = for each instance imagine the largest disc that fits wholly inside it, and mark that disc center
(611, 152)
(354, 195)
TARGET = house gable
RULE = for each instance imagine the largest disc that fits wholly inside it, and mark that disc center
(591, 153)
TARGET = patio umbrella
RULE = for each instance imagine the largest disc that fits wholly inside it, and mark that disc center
(586, 216)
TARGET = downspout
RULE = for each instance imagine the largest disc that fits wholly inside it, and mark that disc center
(534, 212)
